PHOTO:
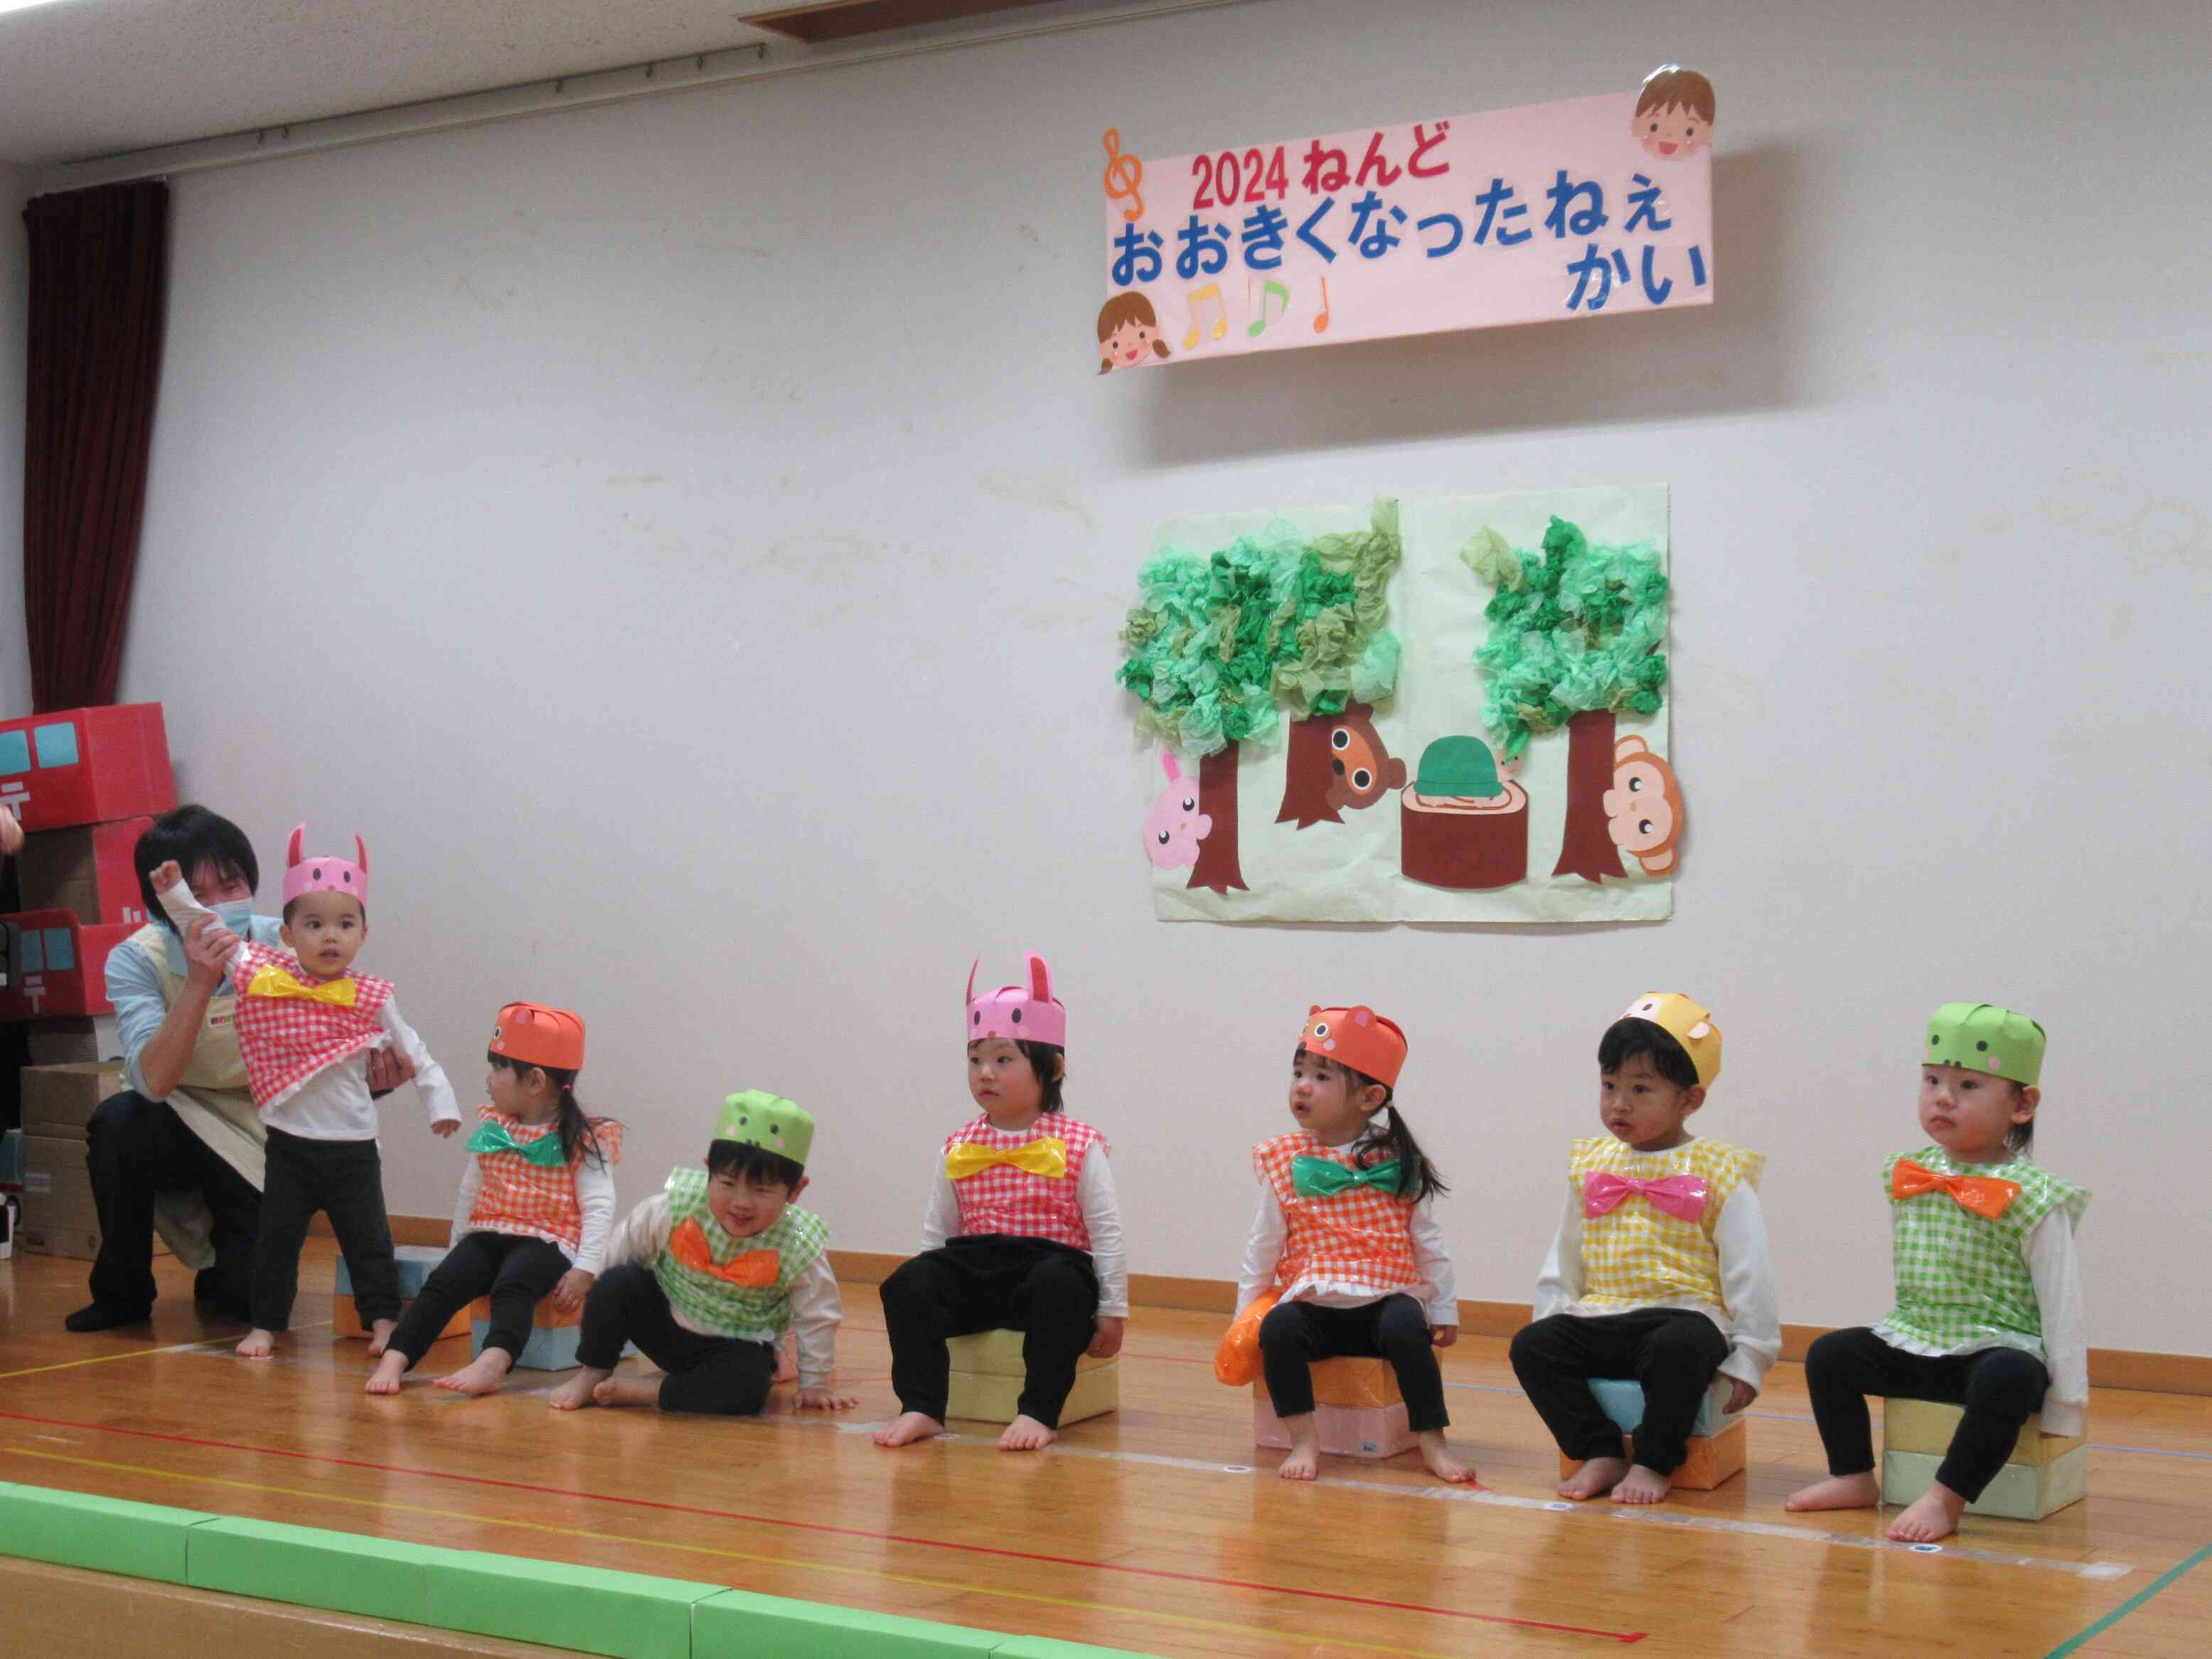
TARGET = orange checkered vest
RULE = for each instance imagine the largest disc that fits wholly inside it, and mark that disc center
(1359, 1241)
(513, 1196)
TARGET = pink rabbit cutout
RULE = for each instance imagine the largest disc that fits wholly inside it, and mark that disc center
(1174, 827)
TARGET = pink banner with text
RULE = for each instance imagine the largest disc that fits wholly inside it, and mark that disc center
(1575, 209)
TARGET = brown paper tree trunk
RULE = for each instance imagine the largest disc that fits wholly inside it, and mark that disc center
(1305, 785)
(1586, 848)
(1217, 867)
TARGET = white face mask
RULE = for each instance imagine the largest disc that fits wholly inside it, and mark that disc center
(236, 915)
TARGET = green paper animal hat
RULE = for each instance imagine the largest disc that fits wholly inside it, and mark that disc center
(758, 1118)
(1985, 1038)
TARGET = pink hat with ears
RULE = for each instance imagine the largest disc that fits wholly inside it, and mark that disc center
(303, 875)
(1015, 1014)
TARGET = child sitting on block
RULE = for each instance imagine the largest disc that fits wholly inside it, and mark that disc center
(1660, 1272)
(707, 1275)
(535, 1203)
(1988, 1287)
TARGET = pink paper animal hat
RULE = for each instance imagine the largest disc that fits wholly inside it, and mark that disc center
(1015, 1014)
(304, 875)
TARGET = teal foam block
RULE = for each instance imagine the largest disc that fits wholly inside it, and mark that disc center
(416, 1263)
(550, 1348)
(1044, 1647)
(1623, 1402)
(310, 1567)
(739, 1624)
(628, 1615)
(106, 1534)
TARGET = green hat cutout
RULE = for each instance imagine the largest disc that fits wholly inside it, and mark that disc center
(758, 1118)
(1458, 766)
(1984, 1037)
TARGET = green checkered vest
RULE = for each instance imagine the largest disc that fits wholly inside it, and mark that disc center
(798, 1236)
(1963, 1282)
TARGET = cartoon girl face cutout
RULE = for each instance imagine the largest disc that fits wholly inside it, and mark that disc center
(1128, 333)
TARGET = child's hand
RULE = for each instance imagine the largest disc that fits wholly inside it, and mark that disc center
(825, 1400)
(1741, 1394)
(444, 1127)
(1108, 1341)
(167, 874)
(569, 1295)
(1442, 1336)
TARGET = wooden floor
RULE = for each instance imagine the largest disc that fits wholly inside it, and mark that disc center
(1160, 1529)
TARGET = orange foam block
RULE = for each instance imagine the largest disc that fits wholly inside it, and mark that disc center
(1356, 1407)
(1712, 1459)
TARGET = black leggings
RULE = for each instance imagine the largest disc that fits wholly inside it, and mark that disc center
(986, 1282)
(719, 1376)
(1294, 1334)
(345, 1179)
(1671, 1352)
(516, 1272)
(2000, 1388)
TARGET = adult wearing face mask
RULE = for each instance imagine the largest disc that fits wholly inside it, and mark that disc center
(181, 1148)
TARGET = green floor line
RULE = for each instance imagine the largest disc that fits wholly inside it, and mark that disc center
(2129, 1606)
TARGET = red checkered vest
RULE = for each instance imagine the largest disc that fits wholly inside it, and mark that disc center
(286, 1040)
(1005, 1200)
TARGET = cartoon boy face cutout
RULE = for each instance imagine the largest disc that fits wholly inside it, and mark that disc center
(1673, 114)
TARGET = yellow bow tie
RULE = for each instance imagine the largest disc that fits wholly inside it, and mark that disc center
(1045, 1156)
(271, 980)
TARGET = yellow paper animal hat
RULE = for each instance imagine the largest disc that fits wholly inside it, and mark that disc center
(1688, 1024)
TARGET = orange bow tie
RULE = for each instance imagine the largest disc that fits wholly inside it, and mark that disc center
(755, 1270)
(1985, 1196)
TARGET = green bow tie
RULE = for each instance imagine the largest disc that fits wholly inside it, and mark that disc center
(491, 1136)
(1321, 1177)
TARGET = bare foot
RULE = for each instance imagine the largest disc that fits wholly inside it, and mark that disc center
(389, 1371)
(1597, 1477)
(907, 1429)
(1303, 1462)
(1643, 1485)
(482, 1374)
(380, 1336)
(1026, 1434)
(1935, 1513)
(258, 1345)
(629, 1391)
(1838, 1492)
(1438, 1456)
(576, 1392)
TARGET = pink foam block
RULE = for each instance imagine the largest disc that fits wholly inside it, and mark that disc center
(1346, 1431)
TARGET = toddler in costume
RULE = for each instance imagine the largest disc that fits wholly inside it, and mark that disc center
(1989, 1288)
(307, 1024)
(707, 1275)
(1022, 1231)
(1345, 1244)
(1660, 1272)
(535, 1203)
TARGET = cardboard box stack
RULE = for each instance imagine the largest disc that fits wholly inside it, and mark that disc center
(84, 783)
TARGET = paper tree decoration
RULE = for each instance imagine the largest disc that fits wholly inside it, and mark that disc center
(1220, 641)
(1575, 632)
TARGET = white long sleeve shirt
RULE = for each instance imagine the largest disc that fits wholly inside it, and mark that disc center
(595, 1197)
(335, 1103)
(1752, 1322)
(1101, 1219)
(2054, 1267)
(817, 1309)
(1271, 1229)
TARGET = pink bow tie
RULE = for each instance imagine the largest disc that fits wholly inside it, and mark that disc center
(1681, 1196)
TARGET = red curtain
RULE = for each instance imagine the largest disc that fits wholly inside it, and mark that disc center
(99, 284)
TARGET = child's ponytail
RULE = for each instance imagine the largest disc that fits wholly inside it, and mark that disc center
(1417, 1177)
(578, 1130)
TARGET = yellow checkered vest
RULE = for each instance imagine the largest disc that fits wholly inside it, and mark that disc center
(1637, 1255)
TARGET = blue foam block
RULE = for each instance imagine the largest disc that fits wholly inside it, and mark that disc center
(550, 1348)
(1623, 1402)
(416, 1263)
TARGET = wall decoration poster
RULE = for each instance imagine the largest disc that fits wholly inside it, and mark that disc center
(1320, 743)
(1590, 205)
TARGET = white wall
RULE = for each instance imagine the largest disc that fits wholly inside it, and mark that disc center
(14, 298)
(688, 539)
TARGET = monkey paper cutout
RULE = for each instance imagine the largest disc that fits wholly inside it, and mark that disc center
(1644, 807)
